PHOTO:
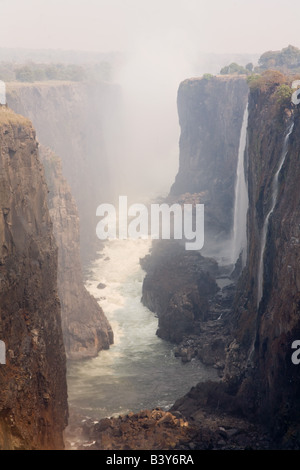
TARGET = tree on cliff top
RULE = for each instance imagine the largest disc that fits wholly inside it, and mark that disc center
(233, 69)
(286, 59)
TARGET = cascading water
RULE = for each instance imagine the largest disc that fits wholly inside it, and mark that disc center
(239, 240)
(267, 219)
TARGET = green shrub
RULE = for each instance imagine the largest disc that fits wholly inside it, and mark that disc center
(283, 95)
(207, 76)
(233, 68)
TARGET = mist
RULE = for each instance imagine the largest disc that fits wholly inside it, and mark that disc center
(144, 148)
(161, 43)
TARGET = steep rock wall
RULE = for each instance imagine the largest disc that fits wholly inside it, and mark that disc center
(33, 390)
(86, 329)
(265, 330)
(210, 116)
(260, 380)
(180, 286)
(73, 119)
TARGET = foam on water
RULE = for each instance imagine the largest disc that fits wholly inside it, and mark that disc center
(140, 370)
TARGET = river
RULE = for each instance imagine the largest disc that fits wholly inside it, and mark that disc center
(140, 370)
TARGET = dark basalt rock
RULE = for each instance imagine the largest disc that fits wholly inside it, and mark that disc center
(178, 287)
(33, 389)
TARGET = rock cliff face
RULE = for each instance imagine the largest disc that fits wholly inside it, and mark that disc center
(69, 118)
(265, 330)
(85, 327)
(180, 286)
(210, 116)
(33, 397)
(260, 380)
(73, 119)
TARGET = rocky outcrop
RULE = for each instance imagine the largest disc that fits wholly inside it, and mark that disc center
(74, 119)
(178, 287)
(146, 430)
(210, 116)
(33, 396)
(169, 430)
(86, 329)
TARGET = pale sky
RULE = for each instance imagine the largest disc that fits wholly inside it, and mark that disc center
(218, 26)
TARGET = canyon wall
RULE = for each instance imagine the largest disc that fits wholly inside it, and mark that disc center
(264, 329)
(71, 120)
(33, 397)
(85, 327)
(75, 120)
(180, 286)
(210, 116)
(260, 379)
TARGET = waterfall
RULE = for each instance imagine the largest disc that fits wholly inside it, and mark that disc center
(267, 219)
(239, 241)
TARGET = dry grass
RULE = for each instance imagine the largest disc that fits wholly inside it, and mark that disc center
(7, 116)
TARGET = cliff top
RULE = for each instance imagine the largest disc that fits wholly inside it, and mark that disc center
(16, 87)
(7, 116)
(209, 77)
(12, 85)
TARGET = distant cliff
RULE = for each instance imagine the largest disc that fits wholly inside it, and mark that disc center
(180, 286)
(70, 122)
(73, 119)
(210, 116)
(85, 327)
(33, 390)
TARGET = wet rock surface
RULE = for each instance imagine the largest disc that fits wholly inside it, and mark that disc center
(206, 429)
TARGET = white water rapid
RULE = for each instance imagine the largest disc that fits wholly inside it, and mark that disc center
(140, 370)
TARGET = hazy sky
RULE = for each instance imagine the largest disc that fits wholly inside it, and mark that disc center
(105, 25)
(163, 41)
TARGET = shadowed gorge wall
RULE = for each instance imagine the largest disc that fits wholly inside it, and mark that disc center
(260, 380)
(180, 285)
(85, 327)
(33, 398)
(210, 116)
(74, 120)
(265, 332)
(71, 120)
